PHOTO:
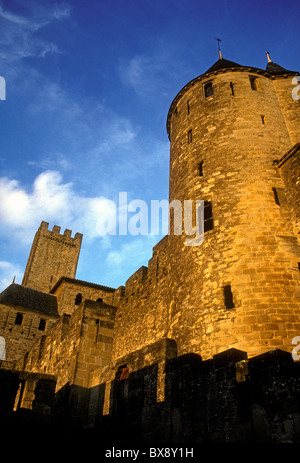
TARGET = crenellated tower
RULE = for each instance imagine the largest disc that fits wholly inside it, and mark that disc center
(52, 256)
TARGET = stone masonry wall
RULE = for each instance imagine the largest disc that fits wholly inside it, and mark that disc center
(289, 167)
(75, 345)
(20, 338)
(142, 316)
(227, 398)
(289, 106)
(67, 291)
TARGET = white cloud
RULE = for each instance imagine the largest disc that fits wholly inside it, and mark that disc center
(18, 33)
(52, 200)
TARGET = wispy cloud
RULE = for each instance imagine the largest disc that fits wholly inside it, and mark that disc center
(18, 33)
(89, 139)
(151, 74)
(144, 74)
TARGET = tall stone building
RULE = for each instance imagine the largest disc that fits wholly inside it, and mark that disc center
(52, 255)
(201, 324)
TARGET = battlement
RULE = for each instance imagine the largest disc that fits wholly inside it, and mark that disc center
(44, 227)
(137, 277)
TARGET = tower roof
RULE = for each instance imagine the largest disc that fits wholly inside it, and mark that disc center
(29, 298)
(276, 70)
(223, 64)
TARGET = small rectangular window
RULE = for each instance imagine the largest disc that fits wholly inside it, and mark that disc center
(78, 299)
(190, 136)
(208, 217)
(254, 82)
(263, 119)
(19, 319)
(42, 324)
(232, 89)
(208, 90)
(228, 298)
(188, 107)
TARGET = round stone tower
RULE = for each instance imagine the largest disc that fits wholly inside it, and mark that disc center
(228, 130)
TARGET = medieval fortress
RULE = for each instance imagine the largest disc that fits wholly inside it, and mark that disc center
(199, 321)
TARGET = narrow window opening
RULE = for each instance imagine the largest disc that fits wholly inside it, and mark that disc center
(99, 299)
(188, 107)
(299, 266)
(19, 319)
(78, 299)
(208, 90)
(276, 197)
(190, 136)
(232, 89)
(208, 217)
(253, 83)
(228, 298)
(42, 324)
(200, 169)
(263, 119)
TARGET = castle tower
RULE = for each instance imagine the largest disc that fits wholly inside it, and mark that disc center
(52, 256)
(227, 128)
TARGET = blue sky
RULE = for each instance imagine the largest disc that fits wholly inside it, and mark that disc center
(88, 88)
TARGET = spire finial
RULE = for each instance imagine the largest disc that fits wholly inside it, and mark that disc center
(268, 56)
(219, 40)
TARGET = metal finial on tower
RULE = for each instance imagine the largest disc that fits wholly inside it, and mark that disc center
(219, 49)
(268, 56)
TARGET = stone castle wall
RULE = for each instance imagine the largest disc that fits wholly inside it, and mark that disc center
(75, 345)
(68, 290)
(289, 168)
(19, 338)
(142, 316)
